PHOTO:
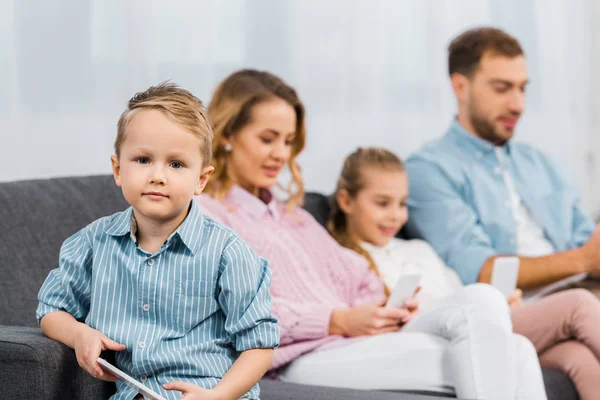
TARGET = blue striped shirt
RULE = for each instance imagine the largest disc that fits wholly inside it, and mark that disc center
(184, 313)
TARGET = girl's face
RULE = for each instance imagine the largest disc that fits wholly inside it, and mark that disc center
(378, 211)
(263, 146)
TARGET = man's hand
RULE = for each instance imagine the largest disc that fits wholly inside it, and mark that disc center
(591, 253)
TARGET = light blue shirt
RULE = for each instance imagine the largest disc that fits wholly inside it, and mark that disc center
(458, 200)
(184, 313)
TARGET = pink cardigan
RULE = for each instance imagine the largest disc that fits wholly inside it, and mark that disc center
(312, 273)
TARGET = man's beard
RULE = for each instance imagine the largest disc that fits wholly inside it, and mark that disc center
(485, 129)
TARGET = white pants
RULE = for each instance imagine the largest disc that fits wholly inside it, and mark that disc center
(464, 345)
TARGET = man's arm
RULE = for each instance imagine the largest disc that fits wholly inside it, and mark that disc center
(439, 215)
(539, 271)
(582, 226)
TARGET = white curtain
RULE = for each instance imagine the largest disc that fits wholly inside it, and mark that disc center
(370, 72)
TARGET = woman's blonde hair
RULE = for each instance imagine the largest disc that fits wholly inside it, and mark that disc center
(231, 109)
(352, 181)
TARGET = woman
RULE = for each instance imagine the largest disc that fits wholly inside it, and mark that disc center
(335, 329)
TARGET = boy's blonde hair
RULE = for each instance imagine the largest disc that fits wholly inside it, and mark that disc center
(231, 109)
(177, 103)
(352, 181)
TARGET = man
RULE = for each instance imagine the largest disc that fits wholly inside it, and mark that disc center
(475, 194)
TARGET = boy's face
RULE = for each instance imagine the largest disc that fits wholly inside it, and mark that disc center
(160, 167)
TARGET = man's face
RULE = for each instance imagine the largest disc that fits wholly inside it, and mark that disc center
(494, 97)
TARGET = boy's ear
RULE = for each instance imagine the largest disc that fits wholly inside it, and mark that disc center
(203, 179)
(116, 168)
(344, 201)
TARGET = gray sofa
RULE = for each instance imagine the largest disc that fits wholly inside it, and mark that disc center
(35, 218)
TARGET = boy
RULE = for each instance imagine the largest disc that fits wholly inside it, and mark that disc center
(181, 299)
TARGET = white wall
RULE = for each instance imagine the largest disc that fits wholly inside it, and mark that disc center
(371, 72)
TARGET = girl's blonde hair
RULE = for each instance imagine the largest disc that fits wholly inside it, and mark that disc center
(352, 181)
(231, 109)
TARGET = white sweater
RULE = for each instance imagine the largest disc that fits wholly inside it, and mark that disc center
(400, 257)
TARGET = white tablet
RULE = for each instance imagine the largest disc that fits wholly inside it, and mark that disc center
(129, 381)
(404, 289)
(505, 274)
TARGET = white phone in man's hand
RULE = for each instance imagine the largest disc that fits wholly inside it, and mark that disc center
(505, 274)
(405, 288)
(129, 381)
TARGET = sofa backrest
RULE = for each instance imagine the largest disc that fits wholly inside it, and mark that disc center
(36, 216)
(318, 205)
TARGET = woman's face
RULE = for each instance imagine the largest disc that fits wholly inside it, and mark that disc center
(263, 146)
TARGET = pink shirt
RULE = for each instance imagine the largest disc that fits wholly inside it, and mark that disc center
(312, 273)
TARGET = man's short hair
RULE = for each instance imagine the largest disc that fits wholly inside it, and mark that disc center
(467, 49)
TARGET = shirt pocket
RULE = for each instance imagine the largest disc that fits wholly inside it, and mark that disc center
(195, 302)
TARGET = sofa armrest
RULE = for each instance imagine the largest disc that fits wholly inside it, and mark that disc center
(34, 367)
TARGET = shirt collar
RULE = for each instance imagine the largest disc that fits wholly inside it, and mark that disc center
(371, 248)
(189, 232)
(470, 142)
(255, 206)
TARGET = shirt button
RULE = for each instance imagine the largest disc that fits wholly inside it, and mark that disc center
(146, 307)
(141, 345)
(150, 262)
(143, 378)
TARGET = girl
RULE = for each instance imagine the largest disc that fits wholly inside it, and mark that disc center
(370, 209)
(335, 330)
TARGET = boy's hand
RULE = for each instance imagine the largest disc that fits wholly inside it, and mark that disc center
(88, 345)
(190, 391)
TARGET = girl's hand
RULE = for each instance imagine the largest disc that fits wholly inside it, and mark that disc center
(366, 319)
(412, 306)
(515, 301)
